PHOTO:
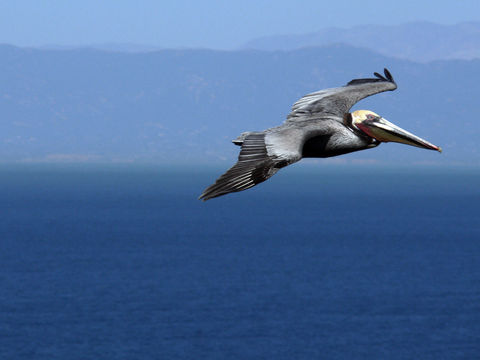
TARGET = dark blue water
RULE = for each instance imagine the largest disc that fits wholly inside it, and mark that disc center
(327, 263)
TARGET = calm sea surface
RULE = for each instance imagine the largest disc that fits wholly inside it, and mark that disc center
(317, 263)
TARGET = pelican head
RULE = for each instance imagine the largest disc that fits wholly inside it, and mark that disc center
(375, 126)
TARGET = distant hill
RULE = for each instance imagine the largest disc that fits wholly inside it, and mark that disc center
(417, 41)
(114, 47)
(186, 105)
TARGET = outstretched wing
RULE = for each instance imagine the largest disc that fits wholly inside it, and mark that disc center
(338, 101)
(257, 162)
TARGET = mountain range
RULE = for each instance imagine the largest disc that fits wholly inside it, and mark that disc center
(416, 41)
(184, 106)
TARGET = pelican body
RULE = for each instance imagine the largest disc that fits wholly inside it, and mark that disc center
(318, 126)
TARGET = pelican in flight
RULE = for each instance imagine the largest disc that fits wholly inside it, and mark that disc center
(318, 126)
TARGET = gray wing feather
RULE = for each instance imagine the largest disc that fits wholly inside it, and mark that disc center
(255, 165)
(338, 101)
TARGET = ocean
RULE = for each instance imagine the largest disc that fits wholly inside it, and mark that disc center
(319, 262)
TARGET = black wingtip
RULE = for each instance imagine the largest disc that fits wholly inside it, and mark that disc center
(388, 75)
(378, 77)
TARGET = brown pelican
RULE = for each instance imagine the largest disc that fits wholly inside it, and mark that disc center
(319, 125)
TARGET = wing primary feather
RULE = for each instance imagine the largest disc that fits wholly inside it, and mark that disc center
(388, 75)
(253, 167)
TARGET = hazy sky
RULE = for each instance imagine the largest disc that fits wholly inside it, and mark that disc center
(205, 23)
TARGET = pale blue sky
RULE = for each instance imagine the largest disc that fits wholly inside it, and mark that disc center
(207, 23)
